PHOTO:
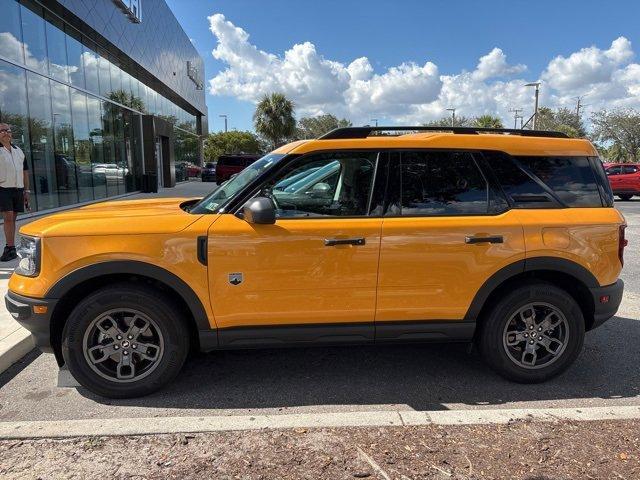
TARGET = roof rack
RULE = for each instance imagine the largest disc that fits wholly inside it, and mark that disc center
(364, 132)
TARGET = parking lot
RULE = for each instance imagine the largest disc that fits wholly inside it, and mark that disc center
(353, 379)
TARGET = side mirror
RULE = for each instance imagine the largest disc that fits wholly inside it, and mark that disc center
(260, 210)
(321, 189)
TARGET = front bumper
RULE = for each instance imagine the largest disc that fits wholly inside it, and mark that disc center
(604, 311)
(39, 324)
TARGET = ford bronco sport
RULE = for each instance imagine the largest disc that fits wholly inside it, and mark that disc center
(505, 238)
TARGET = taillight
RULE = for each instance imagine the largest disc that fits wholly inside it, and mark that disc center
(622, 242)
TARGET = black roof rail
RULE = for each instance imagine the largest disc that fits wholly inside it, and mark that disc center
(364, 132)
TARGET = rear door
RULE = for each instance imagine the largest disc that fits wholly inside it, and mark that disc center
(629, 178)
(615, 177)
(443, 236)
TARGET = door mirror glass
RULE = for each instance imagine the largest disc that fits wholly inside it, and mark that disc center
(321, 189)
(260, 210)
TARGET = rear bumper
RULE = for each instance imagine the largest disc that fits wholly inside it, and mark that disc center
(39, 324)
(604, 311)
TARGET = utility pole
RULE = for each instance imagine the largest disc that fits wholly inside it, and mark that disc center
(453, 116)
(535, 109)
(579, 105)
(516, 115)
(225, 122)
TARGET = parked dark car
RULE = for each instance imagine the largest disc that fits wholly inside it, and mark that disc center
(209, 172)
(229, 165)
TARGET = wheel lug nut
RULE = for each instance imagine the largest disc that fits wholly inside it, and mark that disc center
(530, 327)
(134, 346)
(125, 353)
(532, 342)
(116, 347)
(119, 337)
(539, 329)
(539, 338)
(130, 337)
(526, 335)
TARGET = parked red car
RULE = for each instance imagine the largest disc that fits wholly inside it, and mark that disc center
(231, 164)
(624, 179)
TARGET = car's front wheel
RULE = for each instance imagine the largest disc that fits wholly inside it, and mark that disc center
(533, 333)
(125, 341)
(625, 197)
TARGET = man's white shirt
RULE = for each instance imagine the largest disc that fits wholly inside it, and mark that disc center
(11, 167)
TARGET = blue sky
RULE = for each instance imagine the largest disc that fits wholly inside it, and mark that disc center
(421, 57)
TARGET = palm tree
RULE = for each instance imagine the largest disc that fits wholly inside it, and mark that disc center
(273, 118)
(487, 121)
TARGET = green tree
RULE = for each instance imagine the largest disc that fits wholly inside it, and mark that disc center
(314, 127)
(621, 130)
(217, 144)
(560, 120)
(460, 121)
(487, 121)
(274, 119)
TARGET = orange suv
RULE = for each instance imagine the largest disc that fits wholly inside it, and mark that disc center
(505, 238)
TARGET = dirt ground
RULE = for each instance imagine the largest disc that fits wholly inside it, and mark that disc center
(519, 450)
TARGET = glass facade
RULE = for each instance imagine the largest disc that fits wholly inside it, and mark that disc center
(75, 113)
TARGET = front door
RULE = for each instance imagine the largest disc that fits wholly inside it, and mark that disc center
(311, 276)
(442, 238)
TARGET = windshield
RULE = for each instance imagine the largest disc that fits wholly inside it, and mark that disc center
(228, 189)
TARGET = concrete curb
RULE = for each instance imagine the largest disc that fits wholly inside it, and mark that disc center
(14, 346)
(390, 418)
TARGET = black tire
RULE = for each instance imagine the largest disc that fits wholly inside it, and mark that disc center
(167, 320)
(492, 337)
(625, 197)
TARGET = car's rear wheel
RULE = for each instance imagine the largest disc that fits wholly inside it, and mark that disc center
(533, 333)
(625, 197)
(125, 341)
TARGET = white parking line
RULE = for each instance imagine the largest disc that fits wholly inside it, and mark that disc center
(159, 425)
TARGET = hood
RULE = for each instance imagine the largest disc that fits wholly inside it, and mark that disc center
(133, 217)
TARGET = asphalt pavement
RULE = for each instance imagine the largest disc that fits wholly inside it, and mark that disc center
(354, 379)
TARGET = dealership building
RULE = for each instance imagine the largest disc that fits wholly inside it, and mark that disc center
(102, 96)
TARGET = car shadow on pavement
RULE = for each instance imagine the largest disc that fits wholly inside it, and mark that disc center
(422, 377)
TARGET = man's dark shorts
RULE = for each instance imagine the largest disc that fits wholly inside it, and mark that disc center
(11, 199)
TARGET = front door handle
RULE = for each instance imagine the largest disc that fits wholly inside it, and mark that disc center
(332, 242)
(495, 239)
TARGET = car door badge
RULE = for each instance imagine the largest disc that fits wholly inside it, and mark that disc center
(235, 278)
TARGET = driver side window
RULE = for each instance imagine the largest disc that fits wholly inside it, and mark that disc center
(324, 185)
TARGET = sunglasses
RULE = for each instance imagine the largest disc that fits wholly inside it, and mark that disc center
(2, 130)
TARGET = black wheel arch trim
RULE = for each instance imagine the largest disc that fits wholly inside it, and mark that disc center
(133, 267)
(533, 264)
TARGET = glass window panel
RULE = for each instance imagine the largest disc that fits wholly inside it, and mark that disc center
(116, 82)
(56, 49)
(97, 149)
(442, 183)
(110, 166)
(82, 145)
(33, 33)
(119, 147)
(40, 124)
(133, 147)
(64, 153)
(10, 32)
(13, 110)
(90, 62)
(75, 52)
(104, 74)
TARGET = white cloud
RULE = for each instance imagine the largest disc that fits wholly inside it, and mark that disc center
(412, 92)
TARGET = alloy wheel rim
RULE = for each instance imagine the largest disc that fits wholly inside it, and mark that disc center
(536, 335)
(123, 345)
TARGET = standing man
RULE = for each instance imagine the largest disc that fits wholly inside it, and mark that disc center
(14, 178)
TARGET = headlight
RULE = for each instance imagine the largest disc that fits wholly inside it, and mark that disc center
(28, 250)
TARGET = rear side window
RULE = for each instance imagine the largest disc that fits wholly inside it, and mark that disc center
(442, 183)
(614, 170)
(571, 178)
(603, 182)
(626, 169)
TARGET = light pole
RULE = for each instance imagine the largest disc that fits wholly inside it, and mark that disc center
(535, 109)
(453, 116)
(225, 122)
(375, 120)
(516, 115)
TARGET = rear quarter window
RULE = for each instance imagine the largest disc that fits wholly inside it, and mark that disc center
(572, 179)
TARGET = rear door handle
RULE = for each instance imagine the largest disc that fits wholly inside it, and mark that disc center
(495, 239)
(332, 242)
